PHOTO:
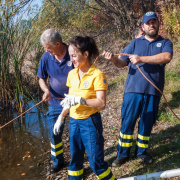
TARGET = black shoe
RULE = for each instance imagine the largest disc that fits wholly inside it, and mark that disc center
(117, 162)
(56, 168)
(145, 159)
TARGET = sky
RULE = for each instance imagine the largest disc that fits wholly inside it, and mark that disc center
(38, 2)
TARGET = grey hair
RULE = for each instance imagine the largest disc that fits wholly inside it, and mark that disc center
(50, 36)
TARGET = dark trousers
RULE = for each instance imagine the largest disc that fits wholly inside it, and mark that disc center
(137, 105)
(56, 140)
(86, 134)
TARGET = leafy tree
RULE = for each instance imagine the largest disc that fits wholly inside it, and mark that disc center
(70, 17)
(170, 15)
(125, 15)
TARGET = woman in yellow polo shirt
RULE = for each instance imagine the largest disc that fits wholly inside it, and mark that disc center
(87, 96)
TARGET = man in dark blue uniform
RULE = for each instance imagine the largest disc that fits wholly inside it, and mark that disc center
(151, 52)
(55, 64)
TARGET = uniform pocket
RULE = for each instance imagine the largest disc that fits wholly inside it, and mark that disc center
(97, 123)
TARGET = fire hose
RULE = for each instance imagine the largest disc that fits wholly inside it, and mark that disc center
(147, 80)
(94, 63)
(26, 112)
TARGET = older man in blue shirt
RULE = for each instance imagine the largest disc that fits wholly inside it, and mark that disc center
(151, 52)
(55, 64)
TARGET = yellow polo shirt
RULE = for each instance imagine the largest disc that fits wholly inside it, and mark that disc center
(86, 87)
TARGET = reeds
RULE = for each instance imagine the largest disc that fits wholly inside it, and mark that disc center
(15, 43)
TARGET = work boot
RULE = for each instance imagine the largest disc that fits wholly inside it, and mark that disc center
(56, 168)
(118, 162)
(145, 159)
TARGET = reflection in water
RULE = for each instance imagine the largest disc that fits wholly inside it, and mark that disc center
(23, 145)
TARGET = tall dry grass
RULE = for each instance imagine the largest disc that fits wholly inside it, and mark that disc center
(15, 43)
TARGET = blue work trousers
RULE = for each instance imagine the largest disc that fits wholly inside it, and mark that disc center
(56, 140)
(86, 134)
(134, 106)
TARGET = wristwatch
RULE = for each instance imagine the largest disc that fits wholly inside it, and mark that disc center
(82, 101)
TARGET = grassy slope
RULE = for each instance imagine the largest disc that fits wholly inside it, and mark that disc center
(164, 145)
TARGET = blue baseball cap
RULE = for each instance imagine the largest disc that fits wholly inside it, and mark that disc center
(148, 16)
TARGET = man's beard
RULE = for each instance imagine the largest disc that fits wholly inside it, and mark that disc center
(153, 34)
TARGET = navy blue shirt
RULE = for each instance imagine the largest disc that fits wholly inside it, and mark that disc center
(57, 73)
(135, 81)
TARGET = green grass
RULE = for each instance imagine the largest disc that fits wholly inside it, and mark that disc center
(172, 94)
(164, 148)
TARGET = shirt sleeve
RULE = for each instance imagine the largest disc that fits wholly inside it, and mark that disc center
(122, 52)
(42, 69)
(168, 47)
(68, 82)
(100, 82)
(128, 50)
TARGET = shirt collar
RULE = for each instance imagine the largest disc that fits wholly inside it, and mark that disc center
(158, 38)
(90, 71)
(67, 53)
(65, 58)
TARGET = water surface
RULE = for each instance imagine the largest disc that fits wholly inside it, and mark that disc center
(24, 144)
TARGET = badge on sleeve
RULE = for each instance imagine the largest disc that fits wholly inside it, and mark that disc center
(69, 63)
(104, 81)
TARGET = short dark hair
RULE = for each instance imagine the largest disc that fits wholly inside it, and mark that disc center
(86, 43)
(136, 32)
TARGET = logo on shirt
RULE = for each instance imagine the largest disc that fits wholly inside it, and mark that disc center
(69, 63)
(104, 81)
(86, 84)
(158, 44)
